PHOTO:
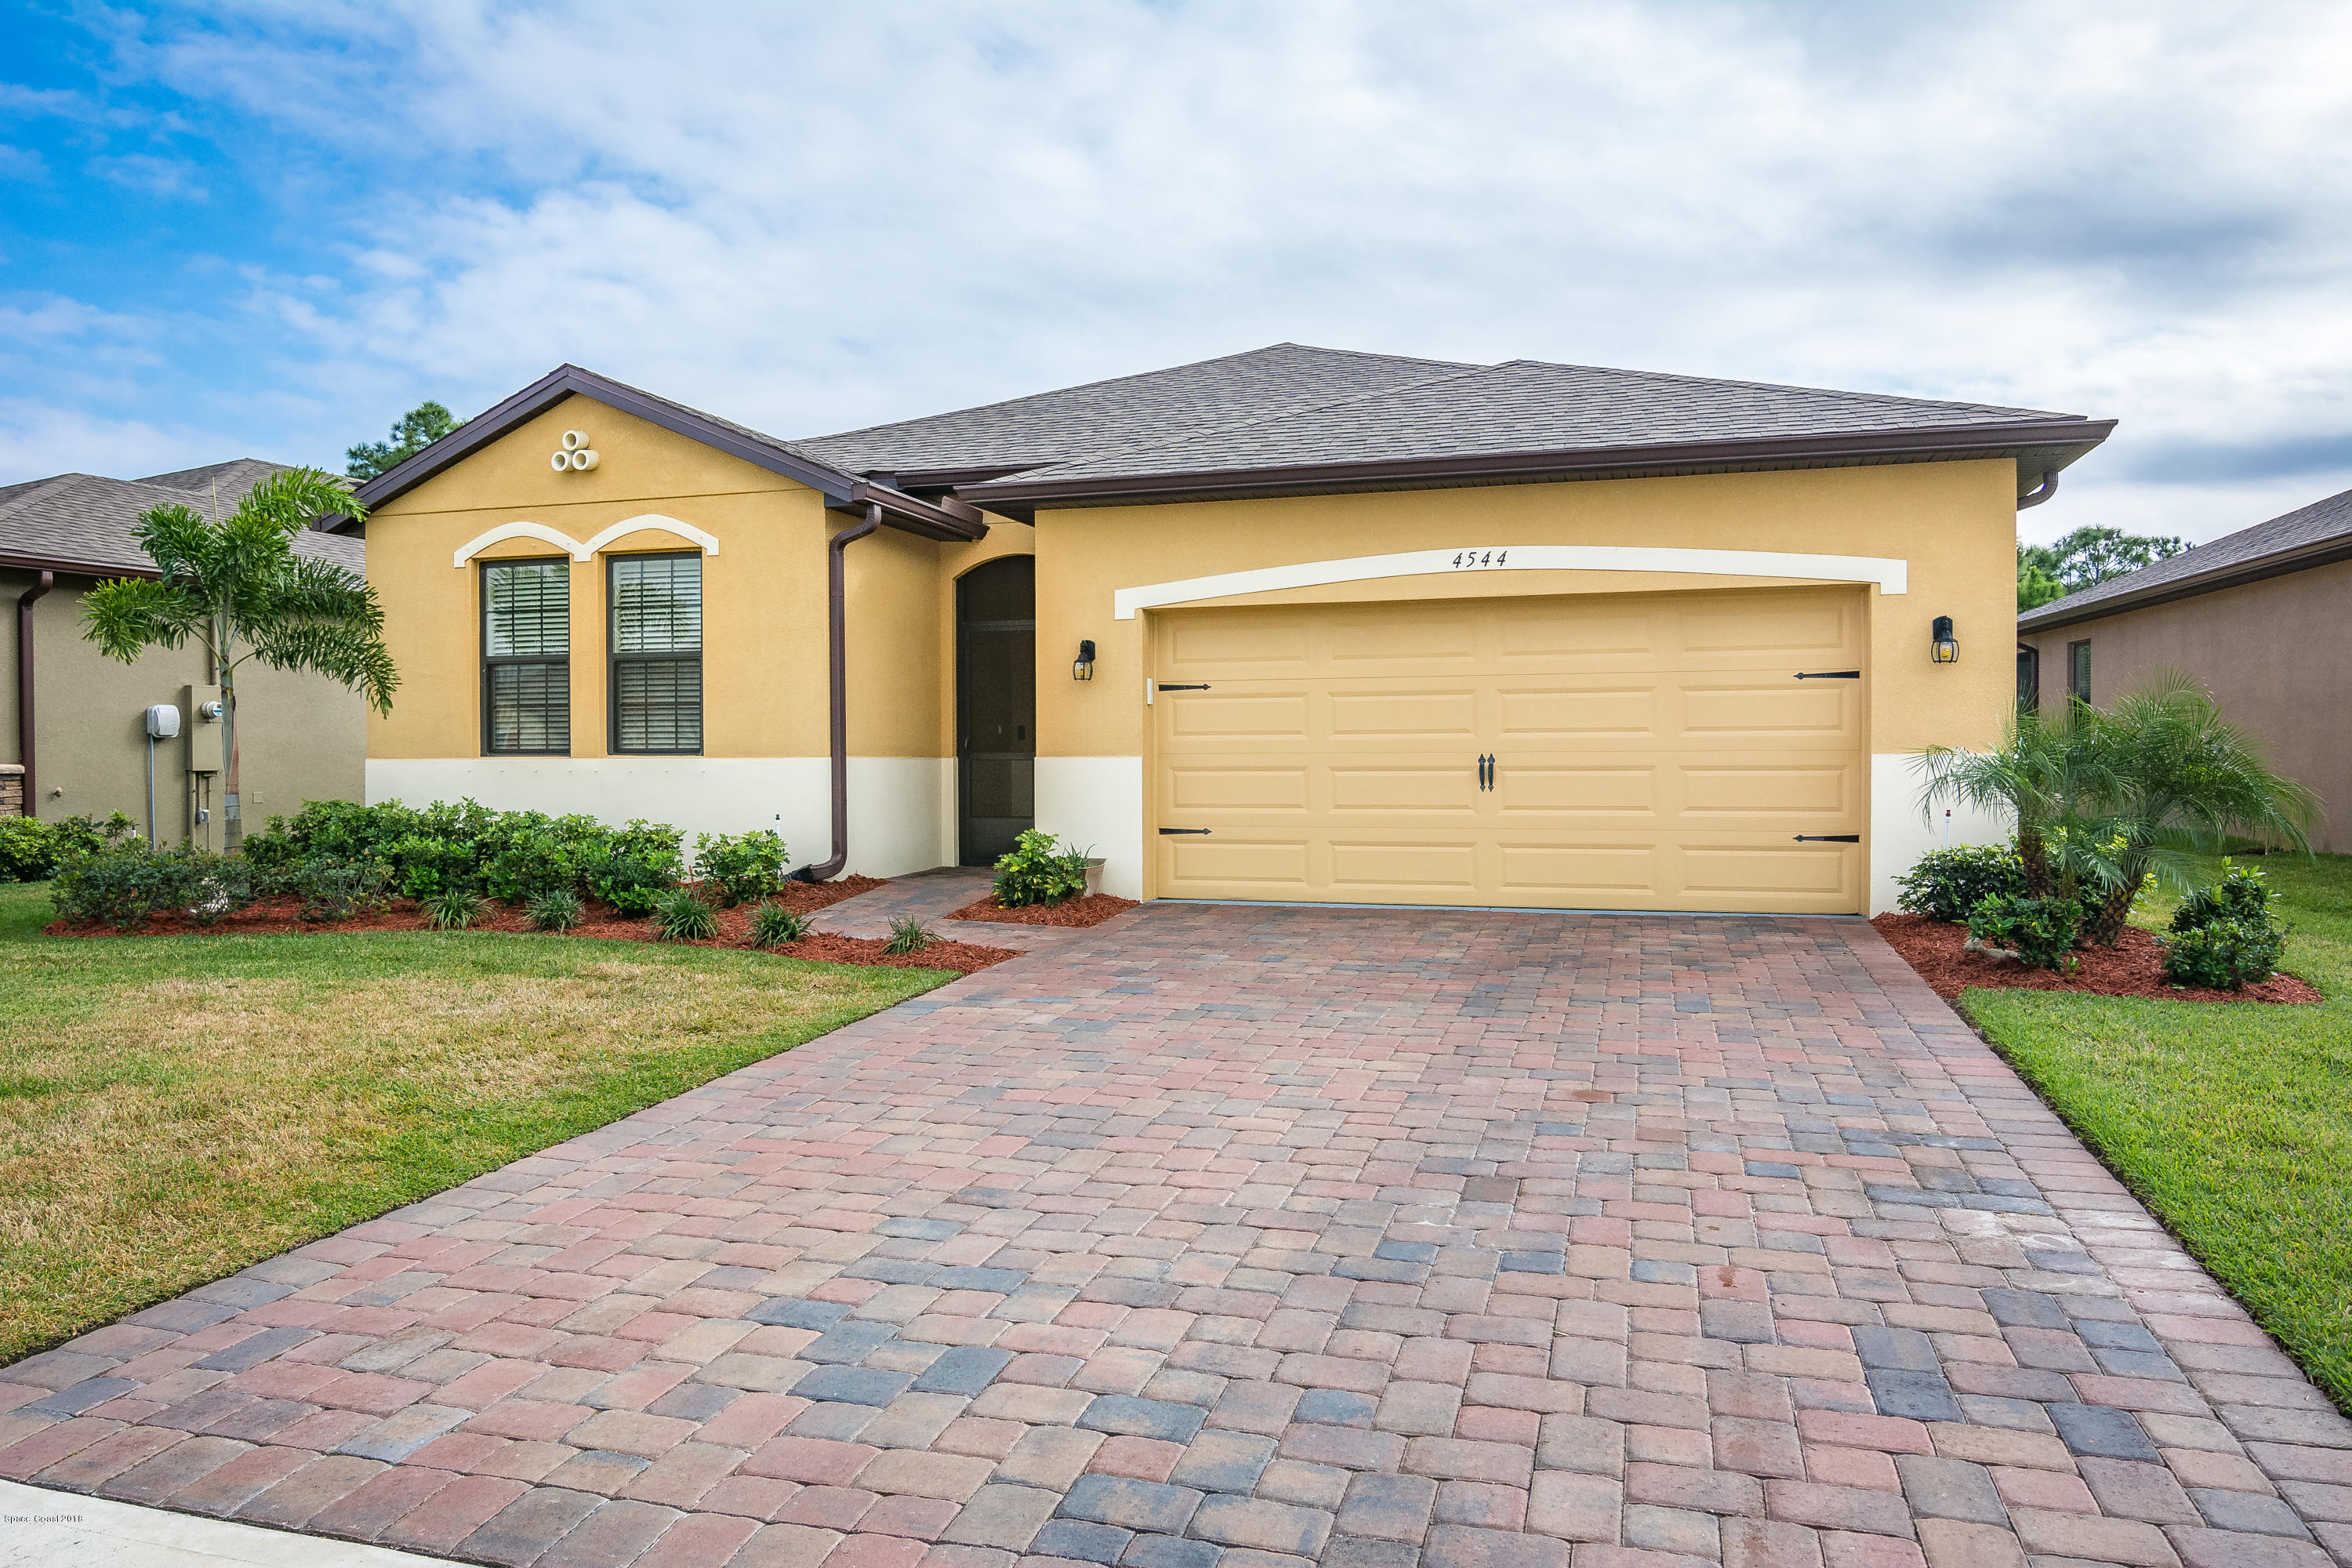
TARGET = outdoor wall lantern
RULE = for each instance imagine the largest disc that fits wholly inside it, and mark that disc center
(1942, 647)
(1083, 667)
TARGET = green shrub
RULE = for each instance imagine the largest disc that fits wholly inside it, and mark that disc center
(424, 866)
(1945, 884)
(773, 925)
(28, 849)
(335, 889)
(2225, 954)
(2243, 894)
(214, 886)
(2040, 931)
(1037, 873)
(630, 884)
(685, 915)
(453, 908)
(557, 911)
(529, 865)
(909, 935)
(124, 882)
(745, 865)
(31, 850)
(514, 856)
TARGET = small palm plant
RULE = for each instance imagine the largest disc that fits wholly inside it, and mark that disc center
(2180, 780)
(454, 909)
(909, 935)
(683, 914)
(773, 925)
(237, 588)
(2044, 776)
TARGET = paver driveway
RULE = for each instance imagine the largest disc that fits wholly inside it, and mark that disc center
(1246, 1237)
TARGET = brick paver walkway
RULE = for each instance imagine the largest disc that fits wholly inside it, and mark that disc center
(930, 896)
(1246, 1238)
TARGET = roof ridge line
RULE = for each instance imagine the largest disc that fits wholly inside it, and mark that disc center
(1465, 370)
(1103, 381)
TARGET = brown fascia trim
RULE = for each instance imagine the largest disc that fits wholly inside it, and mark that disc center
(944, 519)
(2327, 552)
(2057, 442)
(75, 568)
(948, 520)
(571, 381)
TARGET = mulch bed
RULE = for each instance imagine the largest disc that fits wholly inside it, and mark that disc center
(281, 916)
(2133, 967)
(1090, 910)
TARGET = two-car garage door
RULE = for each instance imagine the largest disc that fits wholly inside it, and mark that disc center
(1657, 752)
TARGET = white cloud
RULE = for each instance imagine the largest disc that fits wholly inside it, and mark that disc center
(809, 217)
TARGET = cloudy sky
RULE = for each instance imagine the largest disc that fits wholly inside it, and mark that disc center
(268, 228)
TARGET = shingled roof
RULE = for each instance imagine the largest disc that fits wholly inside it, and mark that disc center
(1292, 418)
(1527, 419)
(1125, 412)
(2308, 536)
(87, 524)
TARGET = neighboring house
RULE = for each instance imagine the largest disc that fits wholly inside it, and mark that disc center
(1363, 630)
(2262, 617)
(73, 720)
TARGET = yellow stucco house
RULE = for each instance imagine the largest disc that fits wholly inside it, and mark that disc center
(1293, 624)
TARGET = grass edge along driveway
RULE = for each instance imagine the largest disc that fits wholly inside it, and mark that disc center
(175, 1108)
(2233, 1122)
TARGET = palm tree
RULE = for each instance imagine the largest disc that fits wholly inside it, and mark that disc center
(237, 587)
(2040, 776)
(2176, 779)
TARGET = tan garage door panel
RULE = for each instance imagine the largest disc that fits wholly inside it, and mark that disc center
(1653, 751)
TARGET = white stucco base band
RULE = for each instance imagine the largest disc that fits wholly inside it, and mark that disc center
(1098, 800)
(1900, 833)
(901, 809)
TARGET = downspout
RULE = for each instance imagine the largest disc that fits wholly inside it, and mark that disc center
(2040, 493)
(837, 659)
(24, 685)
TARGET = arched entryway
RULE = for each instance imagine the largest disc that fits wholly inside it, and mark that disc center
(996, 706)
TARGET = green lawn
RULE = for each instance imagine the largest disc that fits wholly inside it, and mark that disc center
(173, 1109)
(2233, 1122)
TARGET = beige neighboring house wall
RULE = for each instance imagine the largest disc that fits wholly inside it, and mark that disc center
(303, 737)
(2262, 617)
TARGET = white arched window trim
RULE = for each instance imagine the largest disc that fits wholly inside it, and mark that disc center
(506, 530)
(649, 522)
(1892, 576)
(579, 551)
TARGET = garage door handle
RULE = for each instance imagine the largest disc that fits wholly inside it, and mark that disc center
(1486, 772)
(1171, 832)
(1804, 837)
(1806, 675)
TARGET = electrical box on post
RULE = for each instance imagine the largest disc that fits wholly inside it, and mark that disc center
(201, 704)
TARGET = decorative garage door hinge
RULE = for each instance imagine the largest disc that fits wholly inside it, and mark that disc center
(1829, 837)
(1171, 832)
(1828, 675)
(1168, 685)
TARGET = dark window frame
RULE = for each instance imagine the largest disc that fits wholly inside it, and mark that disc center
(2078, 670)
(615, 658)
(2028, 677)
(492, 662)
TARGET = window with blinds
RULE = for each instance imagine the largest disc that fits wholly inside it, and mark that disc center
(657, 653)
(527, 657)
